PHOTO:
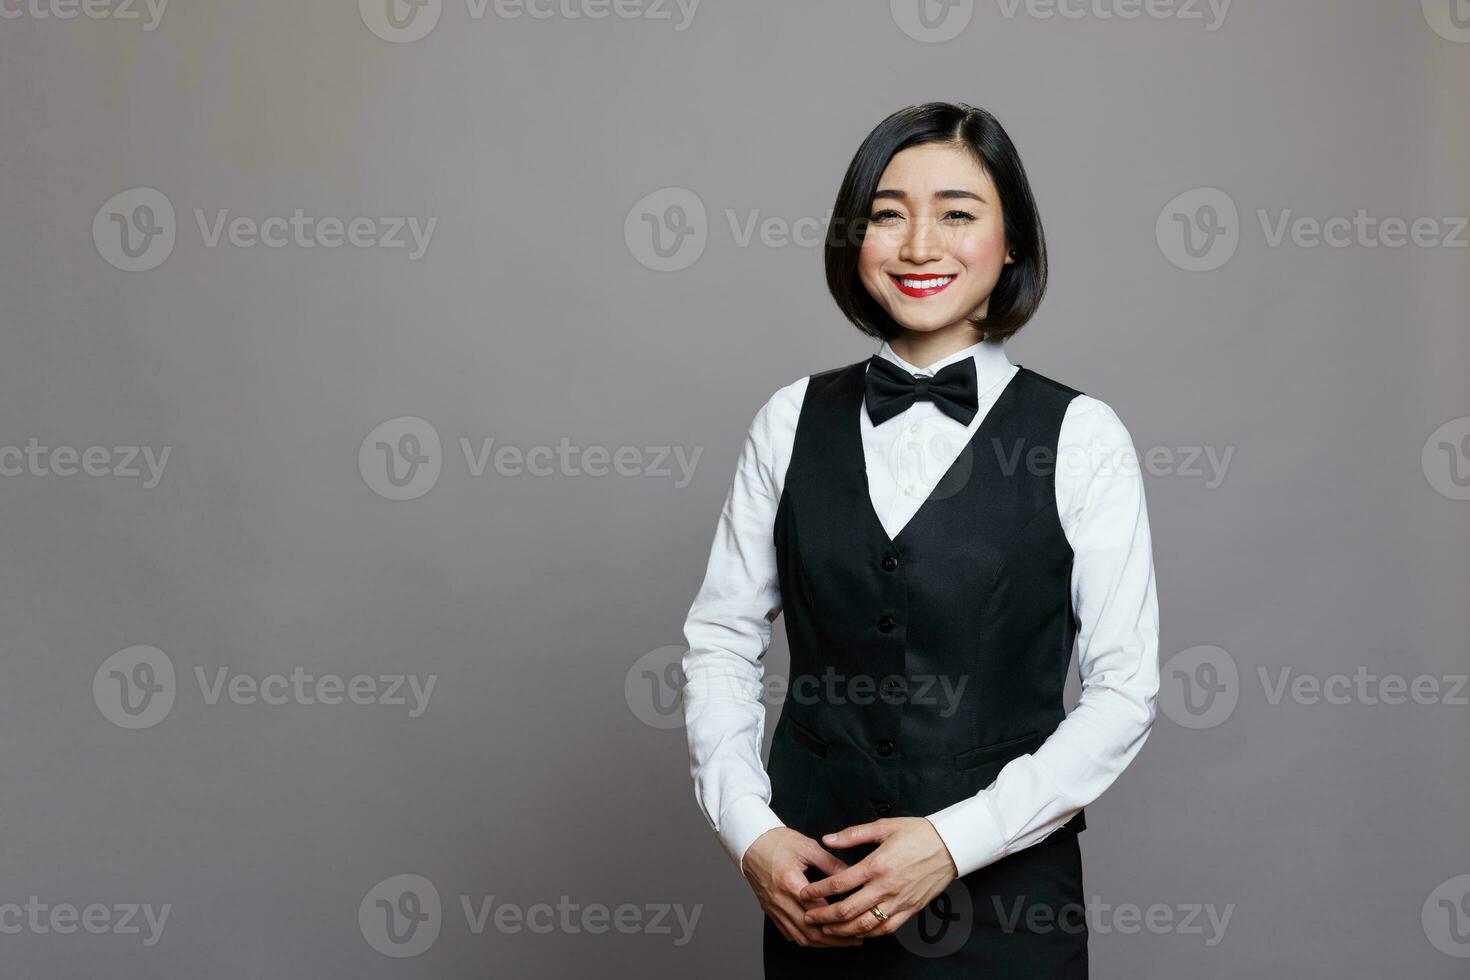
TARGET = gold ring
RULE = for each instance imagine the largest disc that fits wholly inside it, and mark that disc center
(879, 913)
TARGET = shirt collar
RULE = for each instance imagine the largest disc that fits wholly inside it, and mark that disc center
(991, 363)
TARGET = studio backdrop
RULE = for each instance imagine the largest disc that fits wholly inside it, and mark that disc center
(372, 376)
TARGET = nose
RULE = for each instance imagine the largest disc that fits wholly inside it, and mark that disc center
(921, 244)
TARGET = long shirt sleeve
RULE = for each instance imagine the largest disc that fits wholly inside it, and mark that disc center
(1101, 504)
(728, 631)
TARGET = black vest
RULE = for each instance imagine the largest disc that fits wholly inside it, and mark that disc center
(920, 665)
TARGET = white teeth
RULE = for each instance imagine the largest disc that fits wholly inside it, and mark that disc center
(927, 283)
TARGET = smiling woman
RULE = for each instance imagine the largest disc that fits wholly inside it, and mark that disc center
(924, 194)
(909, 517)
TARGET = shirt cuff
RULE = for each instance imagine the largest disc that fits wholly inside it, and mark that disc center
(743, 821)
(972, 832)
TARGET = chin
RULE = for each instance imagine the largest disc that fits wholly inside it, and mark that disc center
(928, 324)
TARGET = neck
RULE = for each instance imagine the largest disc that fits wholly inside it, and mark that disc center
(922, 348)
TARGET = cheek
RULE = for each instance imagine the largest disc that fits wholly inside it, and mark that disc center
(871, 260)
(873, 254)
(982, 250)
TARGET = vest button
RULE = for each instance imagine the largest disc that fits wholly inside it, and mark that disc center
(886, 623)
(890, 562)
(882, 807)
(885, 747)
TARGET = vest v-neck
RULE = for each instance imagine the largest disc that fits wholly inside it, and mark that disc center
(853, 404)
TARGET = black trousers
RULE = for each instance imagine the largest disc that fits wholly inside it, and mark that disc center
(1021, 918)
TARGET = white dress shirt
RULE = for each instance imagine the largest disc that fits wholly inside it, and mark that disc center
(1100, 502)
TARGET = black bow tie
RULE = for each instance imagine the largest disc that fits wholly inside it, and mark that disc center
(889, 389)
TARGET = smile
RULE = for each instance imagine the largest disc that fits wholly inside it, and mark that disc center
(918, 286)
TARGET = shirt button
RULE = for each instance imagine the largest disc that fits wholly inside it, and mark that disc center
(886, 623)
(885, 747)
(909, 489)
(914, 429)
(890, 562)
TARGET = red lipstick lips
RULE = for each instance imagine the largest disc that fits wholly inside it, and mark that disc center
(924, 284)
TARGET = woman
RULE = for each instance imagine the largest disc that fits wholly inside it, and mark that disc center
(938, 526)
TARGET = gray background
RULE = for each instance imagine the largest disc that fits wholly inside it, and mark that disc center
(538, 770)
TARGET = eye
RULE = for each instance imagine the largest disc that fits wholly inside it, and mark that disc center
(958, 216)
(883, 216)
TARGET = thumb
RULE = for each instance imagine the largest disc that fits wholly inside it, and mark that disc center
(863, 833)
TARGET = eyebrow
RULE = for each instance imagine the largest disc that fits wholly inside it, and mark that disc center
(939, 195)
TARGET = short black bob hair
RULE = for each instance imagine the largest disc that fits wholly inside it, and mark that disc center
(1018, 292)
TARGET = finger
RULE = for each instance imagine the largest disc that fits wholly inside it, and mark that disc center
(822, 859)
(807, 935)
(790, 904)
(864, 833)
(890, 924)
(866, 924)
(852, 907)
(844, 880)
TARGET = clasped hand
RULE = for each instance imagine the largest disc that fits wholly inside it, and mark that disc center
(908, 868)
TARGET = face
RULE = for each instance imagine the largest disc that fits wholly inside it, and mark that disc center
(935, 245)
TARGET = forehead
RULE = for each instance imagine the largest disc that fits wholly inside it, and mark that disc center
(919, 171)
